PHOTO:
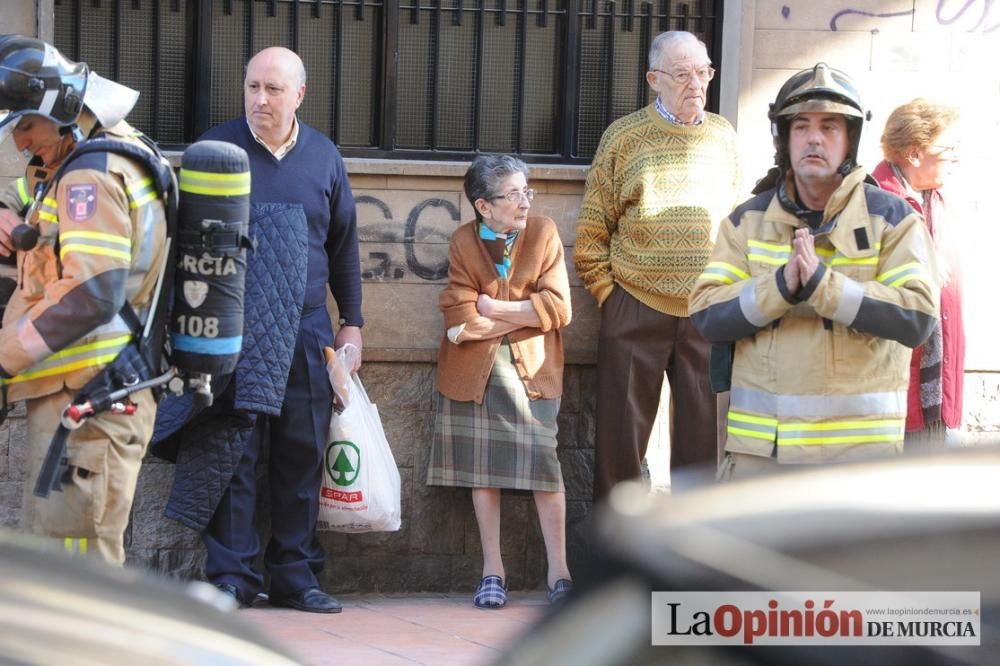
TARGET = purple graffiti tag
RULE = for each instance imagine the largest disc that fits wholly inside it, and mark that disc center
(945, 21)
(987, 6)
(845, 12)
(785, 10)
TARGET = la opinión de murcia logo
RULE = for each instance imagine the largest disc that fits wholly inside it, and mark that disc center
(815, 618)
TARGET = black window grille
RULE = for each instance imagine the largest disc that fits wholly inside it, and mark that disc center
(410, 79)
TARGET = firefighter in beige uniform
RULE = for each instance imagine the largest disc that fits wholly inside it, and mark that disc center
(822, 282)
(101, 242)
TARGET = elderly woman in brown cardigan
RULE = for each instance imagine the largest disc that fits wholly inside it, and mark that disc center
(500, 366)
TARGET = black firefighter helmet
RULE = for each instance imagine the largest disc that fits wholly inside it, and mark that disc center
(35, 79)
(823, 89)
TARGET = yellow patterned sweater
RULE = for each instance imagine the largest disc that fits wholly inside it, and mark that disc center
(656, 193)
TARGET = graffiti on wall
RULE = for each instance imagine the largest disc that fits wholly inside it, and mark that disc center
(971, 15)
(980, 12)
(421, 251)
(857, 12)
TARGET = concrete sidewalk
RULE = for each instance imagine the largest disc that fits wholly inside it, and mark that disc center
(391, 630)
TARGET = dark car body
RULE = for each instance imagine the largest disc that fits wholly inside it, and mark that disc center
(57, 609)
(910, 524)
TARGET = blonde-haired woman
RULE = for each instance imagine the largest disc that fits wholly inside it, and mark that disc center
(920, 144)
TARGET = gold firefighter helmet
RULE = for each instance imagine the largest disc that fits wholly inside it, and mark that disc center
(820, 89)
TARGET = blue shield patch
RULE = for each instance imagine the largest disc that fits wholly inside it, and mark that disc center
(82, 202)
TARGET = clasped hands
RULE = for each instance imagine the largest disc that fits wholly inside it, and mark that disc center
(803, 263)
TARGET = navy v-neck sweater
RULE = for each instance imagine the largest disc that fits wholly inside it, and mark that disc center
(311, 174)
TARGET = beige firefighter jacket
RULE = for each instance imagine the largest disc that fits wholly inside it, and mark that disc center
(820, 374)
(102, 232)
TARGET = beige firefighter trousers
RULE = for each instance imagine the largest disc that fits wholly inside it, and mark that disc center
(90, 514)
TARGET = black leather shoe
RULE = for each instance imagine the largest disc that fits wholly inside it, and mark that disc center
(310, 600)
(231, 590)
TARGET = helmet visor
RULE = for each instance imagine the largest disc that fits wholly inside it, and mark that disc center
(821, 106)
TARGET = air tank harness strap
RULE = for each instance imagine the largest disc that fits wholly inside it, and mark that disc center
(105, 392)
(216, 241)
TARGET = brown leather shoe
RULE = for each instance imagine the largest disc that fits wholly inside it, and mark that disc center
(309, 600)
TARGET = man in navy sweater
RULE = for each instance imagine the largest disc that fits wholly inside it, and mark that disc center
(290, 162)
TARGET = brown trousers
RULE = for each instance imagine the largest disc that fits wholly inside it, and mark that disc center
(636, 346)
(90, 514)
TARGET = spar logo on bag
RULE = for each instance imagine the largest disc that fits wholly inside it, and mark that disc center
(361, 484)
(343, 465)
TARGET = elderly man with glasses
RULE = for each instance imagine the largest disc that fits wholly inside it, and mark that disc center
(662, 179)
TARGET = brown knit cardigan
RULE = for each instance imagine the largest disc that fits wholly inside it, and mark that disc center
(538, 272)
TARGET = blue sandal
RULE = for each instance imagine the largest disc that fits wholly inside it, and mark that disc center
(491, 593)
(560, 590)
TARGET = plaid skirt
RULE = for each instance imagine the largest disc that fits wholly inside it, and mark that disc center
(509, 441)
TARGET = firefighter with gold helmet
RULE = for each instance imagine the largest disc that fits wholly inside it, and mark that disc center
(89, 241)
(820, 284)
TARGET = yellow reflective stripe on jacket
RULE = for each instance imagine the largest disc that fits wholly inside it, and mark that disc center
(22, 191)
(72, 545)
(95, 242)
(778, 255)
(841, 432)
(747, 425)
(840, 259)
(214, 184)
(92, 354)
(49, 210)
(140, 193)
(768, 253)
(900, 274)
(720, 271)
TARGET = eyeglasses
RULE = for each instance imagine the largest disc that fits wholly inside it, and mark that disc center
(516, 195)
(944, 153)
(704, 74)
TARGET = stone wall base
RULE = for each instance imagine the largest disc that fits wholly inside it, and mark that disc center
(437, 549)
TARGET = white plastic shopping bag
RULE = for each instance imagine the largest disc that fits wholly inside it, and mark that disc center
(361, 484)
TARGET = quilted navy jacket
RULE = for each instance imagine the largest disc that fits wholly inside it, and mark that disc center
(206, 447)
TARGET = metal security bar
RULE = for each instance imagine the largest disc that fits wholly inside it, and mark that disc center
(614, 41)
(488, 91)
(340, 42)
(140, 44)
(421, 79)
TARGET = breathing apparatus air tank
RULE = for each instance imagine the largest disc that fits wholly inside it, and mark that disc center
(206, 322)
